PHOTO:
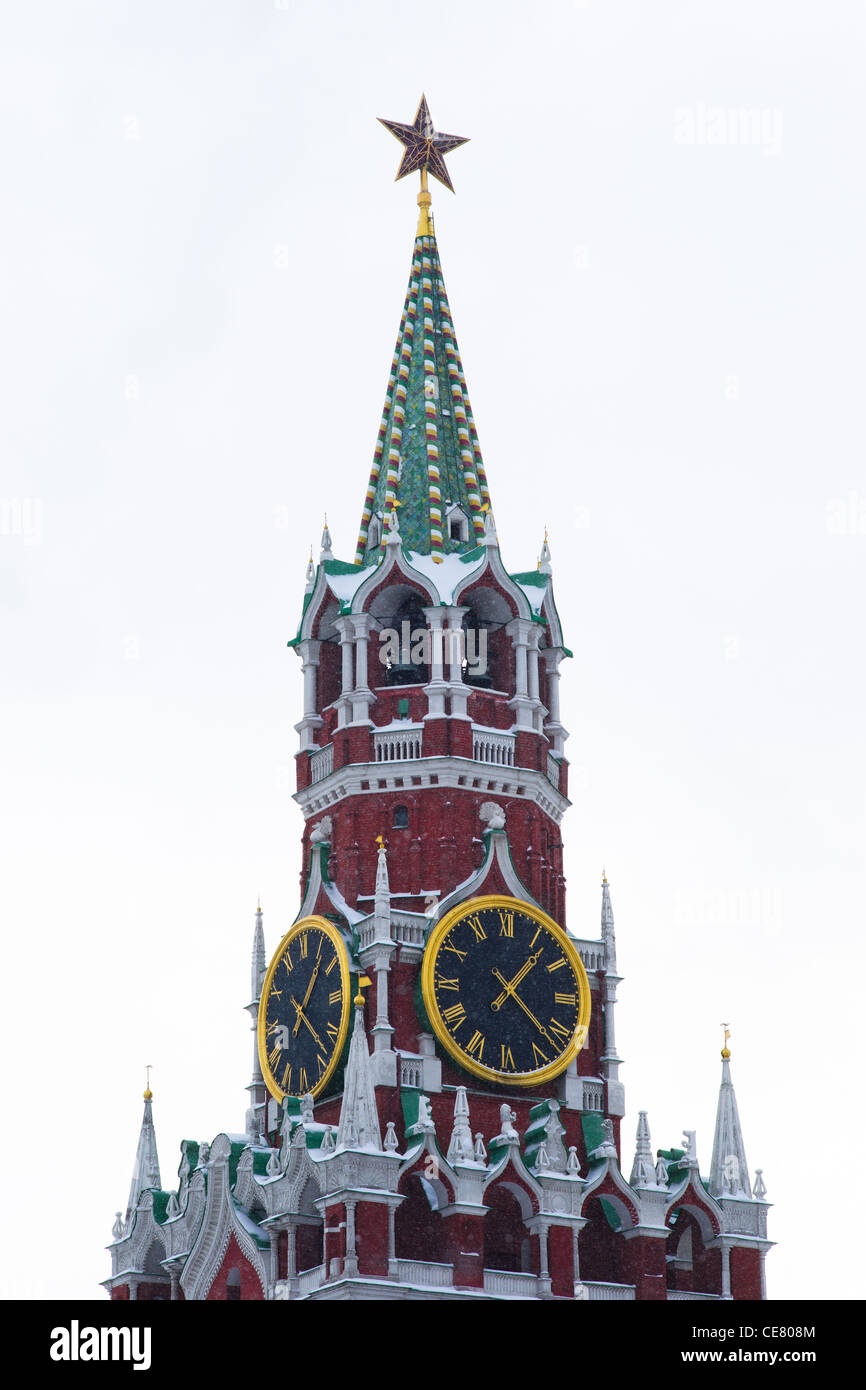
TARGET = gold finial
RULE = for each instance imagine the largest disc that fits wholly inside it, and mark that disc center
(259, 903)
(311, 554)
(148, 1093)
(425, 221)
(603, 877)
(726, 1051)
(380, 841)
(326, 521)
(363, 981)
(545, 535)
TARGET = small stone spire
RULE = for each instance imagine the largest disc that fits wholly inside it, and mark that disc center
(607, 931)
(326, 552)
(310, 581)
(643, 1168)
(259, 961)
(255, 1115)
(490, 536)
(382, 897)
(145, 1174)
(729, 1170)
(544, 565)
(359, 1120)
(460, 1150)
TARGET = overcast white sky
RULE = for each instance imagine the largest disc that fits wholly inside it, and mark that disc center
(203, 258)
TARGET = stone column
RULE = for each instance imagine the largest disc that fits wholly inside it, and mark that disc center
(346, 630)
(553, 727)
(726, 1269)
(519, 630)
(362, 697)
(350, 1263)
(459, 690)
(437, 688)
(308, 651)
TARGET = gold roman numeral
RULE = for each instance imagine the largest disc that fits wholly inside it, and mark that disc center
(477, 928)
(274, 1056)
(448, 946)
(556, 964)
(535, 938)
(507, 1059)
(442, 983)
(538, 1056)
(335, 997)
(302, 1080)
(565, 998)
(506, 920)
(560, 1031)
(454, 1016)
(287, 962)
(329, 967)
(287, 1077)
(333, 1032)
(321, 1063)
(476, 1044)
(305, 944)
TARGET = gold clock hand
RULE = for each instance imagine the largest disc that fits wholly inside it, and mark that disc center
(529, 1014)
(303, 1019)
(511, 984)
(306, 1000)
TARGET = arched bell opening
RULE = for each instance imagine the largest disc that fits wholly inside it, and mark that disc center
(507, 1244)
(600, 1243)
(309, 1237)
(418, 1232)
(399, 654)
(690, 1265)
(488, 660)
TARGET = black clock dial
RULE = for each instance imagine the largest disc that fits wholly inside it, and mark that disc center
(304, 1011)
(506, 991)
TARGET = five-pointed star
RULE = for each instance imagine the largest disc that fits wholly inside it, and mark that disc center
(424, 145)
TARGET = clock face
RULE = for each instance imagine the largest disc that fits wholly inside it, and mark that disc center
(304, 1010)
(505, 991)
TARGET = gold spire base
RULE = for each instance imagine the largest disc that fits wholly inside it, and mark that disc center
(425, 221)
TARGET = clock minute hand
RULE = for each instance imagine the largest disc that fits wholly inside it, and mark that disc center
(509, 989)
(302, 1017)
(306, 1000)
(510, 985)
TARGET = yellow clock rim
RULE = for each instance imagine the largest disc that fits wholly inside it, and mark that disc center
(333, 934)
(428, 967)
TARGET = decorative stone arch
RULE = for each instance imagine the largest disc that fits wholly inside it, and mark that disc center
(428, 1186)
(391, 605)
(490, 610)
(219, 1227)
(694, 1259)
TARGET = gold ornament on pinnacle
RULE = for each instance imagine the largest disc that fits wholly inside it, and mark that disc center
(148, 1093)
(726, 1051)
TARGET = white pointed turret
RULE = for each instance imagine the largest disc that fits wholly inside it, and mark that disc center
(382, 895)
(326, 552)
(255, 1116)
(490, 536)
(310, 578)
(359, 1120)
(643, 1168)
(544, 563)
(460, 1149)
(145, 1174)
(729, 1171)
(607, 931)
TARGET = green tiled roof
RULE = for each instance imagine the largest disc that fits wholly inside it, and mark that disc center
(427, 453)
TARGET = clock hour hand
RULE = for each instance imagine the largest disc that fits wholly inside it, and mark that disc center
(302, 1018)
(512, 984)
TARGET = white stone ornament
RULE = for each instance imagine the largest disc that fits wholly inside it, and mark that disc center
(327, 1144)
(759, 1190)
(391, 1142)
(507, 1132)
(493, 815)
(460, 1148)
(661, 1173)
(117, 1228)
(273, 1167)
(573, 1160)
(322, 831)
(480, 1151)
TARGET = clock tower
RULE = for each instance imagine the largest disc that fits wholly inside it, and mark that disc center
(435, 1105)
